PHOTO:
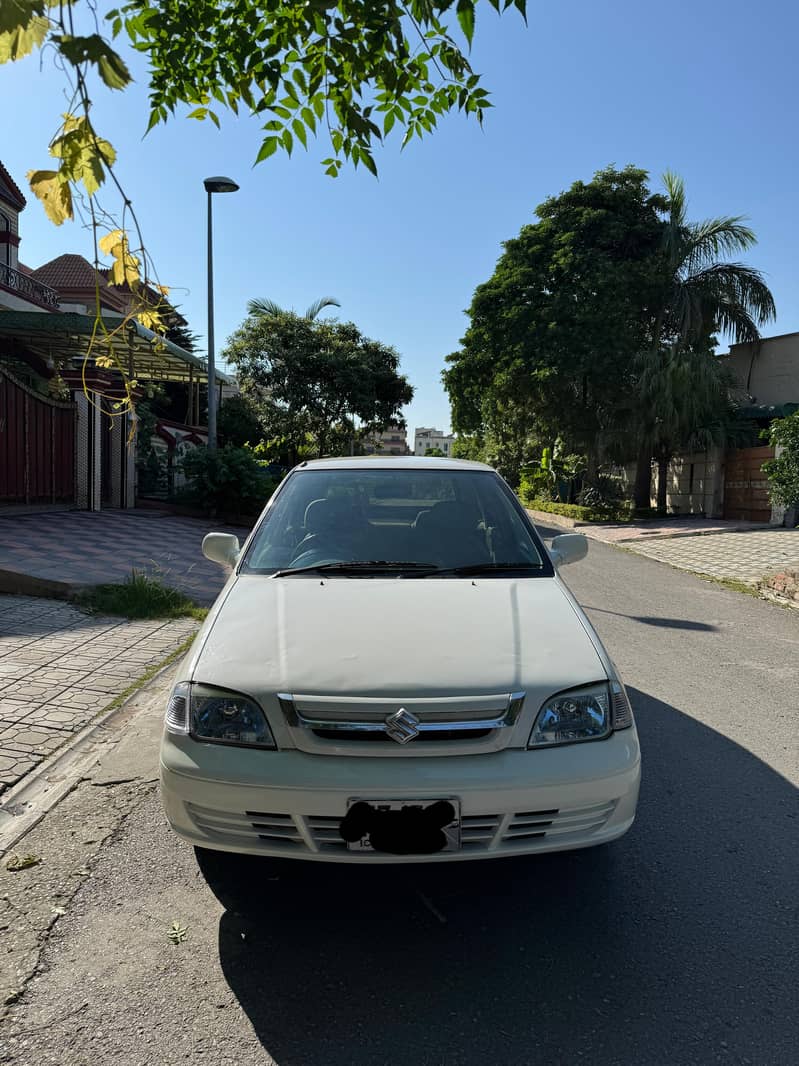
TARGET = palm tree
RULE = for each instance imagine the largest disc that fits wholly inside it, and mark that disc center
(271, 309)
(689, 391)
(701, 294)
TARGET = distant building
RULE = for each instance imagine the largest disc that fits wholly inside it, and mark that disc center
(425, 438)
(392, 441)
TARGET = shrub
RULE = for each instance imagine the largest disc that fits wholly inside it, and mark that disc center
(227, 480)
(578, 512)
(783, 471)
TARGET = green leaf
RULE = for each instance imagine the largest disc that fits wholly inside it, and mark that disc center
(269, 147)
(388, 122)
(299, 132)
(113, 71)
(54, 194)
(21, 41)
(466, 18)
(368, 162)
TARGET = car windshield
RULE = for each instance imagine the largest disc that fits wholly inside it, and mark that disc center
(409, 521)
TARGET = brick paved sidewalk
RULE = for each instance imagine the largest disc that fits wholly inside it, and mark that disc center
(60, 668)
(745, 555)
(90, 548)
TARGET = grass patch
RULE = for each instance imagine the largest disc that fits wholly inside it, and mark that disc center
(731, 583)
(140, 596)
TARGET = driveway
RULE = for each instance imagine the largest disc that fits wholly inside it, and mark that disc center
(673, 945)
(77, 548)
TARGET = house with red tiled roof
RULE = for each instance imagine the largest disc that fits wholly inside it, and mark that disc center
(76, 283)
(65, 439)
(18, 290)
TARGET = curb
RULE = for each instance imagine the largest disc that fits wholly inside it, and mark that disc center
(24, 805)
(547, 518)
(14, 583)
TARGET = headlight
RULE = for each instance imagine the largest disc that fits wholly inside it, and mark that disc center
(218, 716)
(582, 714)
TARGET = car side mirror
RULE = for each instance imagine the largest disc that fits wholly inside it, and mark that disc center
(568, 548)
(221, 548)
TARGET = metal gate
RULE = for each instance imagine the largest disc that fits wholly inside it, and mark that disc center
(745, 485)
(37, 445)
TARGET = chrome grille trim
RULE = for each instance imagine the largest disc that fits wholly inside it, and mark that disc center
(440, 719)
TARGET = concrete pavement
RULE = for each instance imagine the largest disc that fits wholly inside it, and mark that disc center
(53, 553)
(744, 555)
(673, 945)
(59, 668)
(742, 551)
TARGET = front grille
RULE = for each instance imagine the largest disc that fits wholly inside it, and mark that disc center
(528, 825)
(319, 833)
(355, 736)
(388, 726)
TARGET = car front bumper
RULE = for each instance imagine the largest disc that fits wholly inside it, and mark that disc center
(290, 803)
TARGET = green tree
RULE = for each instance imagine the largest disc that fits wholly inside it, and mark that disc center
(434, 453)
(315, 377)
(686, 392)
(700, 293)
(271, 309)
(554, 333)
(783, 471)
(354, 69)
(238, 423)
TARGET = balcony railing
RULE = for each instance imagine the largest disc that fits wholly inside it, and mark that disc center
(14, 281)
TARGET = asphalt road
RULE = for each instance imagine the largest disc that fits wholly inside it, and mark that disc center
(675, 945)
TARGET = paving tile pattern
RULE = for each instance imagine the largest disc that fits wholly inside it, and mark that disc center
(746, 555)
(97, 547)
(59, 668)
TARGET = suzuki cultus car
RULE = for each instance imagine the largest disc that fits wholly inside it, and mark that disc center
(395, 671)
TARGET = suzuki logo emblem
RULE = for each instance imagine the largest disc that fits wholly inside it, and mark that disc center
(402, 726)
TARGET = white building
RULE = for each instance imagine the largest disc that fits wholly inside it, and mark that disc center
(425, 438)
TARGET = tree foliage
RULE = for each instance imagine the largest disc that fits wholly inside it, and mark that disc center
(553, 333)
(352, 69)
(314, 376)
(265, 306)
(699, 294)
(783, 471)
(598, 325)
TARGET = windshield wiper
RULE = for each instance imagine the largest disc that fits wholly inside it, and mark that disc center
(358, 566)
(483, 568)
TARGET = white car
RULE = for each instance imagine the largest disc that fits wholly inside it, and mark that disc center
(394, 672)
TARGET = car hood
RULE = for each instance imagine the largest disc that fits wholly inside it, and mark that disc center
(388, 636)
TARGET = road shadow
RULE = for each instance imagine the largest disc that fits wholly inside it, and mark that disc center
(670, 946)
(652, 620)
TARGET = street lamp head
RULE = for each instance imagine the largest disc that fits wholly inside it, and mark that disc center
(219, 184)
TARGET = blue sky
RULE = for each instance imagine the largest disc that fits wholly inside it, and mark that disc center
(704, 87)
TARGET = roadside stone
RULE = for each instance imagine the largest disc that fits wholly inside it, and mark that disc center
(784, 585)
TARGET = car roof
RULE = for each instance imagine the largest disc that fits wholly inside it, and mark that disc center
(391, 462)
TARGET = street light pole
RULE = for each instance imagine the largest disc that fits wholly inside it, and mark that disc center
(213, 185)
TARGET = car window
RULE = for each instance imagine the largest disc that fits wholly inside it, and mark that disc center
(441, 518)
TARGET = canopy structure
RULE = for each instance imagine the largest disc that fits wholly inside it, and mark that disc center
(67, 335)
